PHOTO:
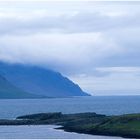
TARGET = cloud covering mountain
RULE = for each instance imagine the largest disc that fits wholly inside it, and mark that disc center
(36, 81)
(79, 39)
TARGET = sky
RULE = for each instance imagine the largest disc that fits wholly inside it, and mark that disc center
(95, 44)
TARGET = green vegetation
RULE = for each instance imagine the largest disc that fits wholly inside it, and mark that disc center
(89, 123)
(9, 91)
(36, 81)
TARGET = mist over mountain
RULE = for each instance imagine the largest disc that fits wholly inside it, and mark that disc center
(39, 81)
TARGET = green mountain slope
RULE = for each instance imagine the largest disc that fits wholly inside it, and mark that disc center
(40, 81)
(9, 91)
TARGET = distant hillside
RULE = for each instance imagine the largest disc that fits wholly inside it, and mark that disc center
(9, 91)
(40, 81)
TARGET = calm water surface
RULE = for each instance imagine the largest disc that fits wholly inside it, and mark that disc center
(104, 105)
(42, 132)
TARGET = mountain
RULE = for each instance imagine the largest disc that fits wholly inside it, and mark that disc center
(40, 81)
(9, 91)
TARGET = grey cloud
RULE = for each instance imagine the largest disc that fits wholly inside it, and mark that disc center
(75, 41)
(80, 22)
(116, 46)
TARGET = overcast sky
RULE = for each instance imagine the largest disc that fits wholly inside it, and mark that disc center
(96, 44)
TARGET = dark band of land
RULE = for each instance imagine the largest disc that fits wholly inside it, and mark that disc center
(127, 126)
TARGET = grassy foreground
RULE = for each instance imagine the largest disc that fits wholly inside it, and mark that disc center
(89, 123)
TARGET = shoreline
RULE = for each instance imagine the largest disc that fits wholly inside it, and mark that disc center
(125, 126)
(96, 134)
(44, 132)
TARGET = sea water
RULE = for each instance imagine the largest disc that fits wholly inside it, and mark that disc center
(109, 105)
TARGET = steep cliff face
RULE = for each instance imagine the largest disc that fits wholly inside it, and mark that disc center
(40, 81)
